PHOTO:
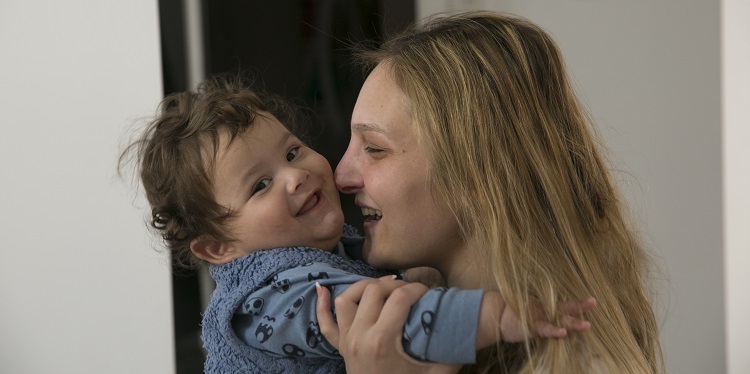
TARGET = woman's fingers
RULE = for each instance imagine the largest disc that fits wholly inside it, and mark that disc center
(396, 308)
(372, 341)
(326, 323)
(368, 293)
(347, 306)
(372, 300)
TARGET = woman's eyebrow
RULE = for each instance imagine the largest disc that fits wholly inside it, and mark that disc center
(366, 127)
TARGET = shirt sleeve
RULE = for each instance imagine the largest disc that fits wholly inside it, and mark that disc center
(280, 318)
(442, 326)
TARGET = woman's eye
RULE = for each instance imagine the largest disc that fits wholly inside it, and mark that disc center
(261, 185)
(292, 154)
(373, 150)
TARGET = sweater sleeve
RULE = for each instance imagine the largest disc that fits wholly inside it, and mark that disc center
(442, 326)
(280, 318)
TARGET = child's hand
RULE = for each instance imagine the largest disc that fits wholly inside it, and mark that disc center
(571, 315)
(511, 331)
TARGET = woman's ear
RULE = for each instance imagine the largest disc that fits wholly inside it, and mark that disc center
(213, 251)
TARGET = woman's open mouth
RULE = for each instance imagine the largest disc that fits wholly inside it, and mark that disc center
(372, 214)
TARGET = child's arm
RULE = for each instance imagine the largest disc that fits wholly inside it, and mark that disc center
(484, 322)
(493, 310)
(276, 318)
(510, 330)
(280, 318)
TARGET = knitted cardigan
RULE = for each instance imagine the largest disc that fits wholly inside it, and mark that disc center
(234, 282)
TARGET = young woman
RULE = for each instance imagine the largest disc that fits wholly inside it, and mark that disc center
(470, 149)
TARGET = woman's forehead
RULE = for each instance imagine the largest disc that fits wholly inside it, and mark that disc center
(382, 106)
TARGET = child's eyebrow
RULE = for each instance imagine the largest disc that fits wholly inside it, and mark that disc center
(284, 138)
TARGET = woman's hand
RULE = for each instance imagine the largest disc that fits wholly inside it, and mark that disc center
(371, 316)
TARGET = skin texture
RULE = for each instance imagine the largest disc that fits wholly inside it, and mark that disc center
(282, 194)
(386, 169)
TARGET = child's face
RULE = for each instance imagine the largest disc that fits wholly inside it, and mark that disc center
(282, 192)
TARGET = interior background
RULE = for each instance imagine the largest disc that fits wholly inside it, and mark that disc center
(83, 291)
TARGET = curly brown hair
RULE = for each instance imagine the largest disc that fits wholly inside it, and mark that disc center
(176, 152)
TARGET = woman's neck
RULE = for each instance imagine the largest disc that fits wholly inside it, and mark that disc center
(465, 269)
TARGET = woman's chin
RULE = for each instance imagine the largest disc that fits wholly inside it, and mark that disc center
(370, 256)
(378, 261)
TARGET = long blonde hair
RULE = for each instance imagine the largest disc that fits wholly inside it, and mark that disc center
(515, 157)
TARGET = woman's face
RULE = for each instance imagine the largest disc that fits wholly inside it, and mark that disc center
(386, 169)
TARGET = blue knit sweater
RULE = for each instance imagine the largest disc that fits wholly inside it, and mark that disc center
(234, 281)
(441, 326)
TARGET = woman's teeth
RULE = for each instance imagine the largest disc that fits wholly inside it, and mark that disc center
(372, 214)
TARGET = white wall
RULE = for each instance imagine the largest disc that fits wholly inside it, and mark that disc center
(736, 151)
(650, 72)
(82, 289)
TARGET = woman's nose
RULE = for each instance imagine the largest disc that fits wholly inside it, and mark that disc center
(348, 175)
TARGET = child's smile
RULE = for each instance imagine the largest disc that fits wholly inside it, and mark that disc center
(310, 204)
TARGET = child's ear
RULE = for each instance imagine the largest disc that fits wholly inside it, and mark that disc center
(213, 251)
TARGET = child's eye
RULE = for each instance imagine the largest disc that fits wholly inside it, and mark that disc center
(292, 154)
(262, 184)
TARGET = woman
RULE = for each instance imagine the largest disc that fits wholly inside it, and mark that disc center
(470, 148)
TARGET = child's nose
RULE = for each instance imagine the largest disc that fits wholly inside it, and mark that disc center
(295, 178)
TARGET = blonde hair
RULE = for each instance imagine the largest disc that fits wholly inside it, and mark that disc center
(515, 157)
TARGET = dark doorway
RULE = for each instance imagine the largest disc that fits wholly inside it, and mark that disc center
(298, 49)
